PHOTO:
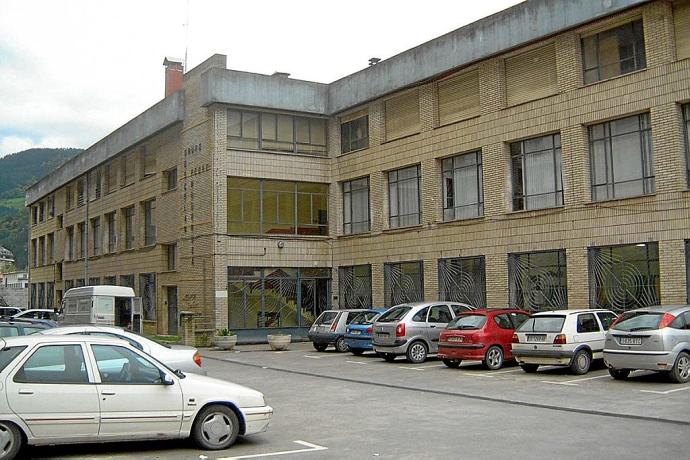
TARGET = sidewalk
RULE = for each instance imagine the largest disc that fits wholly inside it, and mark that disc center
(253, 348)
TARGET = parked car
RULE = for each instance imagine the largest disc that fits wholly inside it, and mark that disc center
(37, 313)
(483, 335)
(9, 311)
(654, 338)
(360, 331)
(14, 328)
(329, 329)
(184, 358)
(562, 338)
(413, 329)
(80, 388)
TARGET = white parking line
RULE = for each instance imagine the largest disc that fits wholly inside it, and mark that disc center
(421, 368)
(312, 357)
(665, 392)
(310, 448)
(356, 362)
(574, 382)
(494, 373)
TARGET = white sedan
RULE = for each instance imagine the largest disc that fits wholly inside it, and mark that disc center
(184, 358)
(77, 388)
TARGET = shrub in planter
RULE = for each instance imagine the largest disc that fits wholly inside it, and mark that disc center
(225, 340)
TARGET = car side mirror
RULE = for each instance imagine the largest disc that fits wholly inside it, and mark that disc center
(167, 380)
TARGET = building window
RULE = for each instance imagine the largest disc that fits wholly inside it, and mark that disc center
(624, 277)
(70, 243)
(537, 179)
(614, 52)
(355, 286)
(149, 222)
(80, 192)
(41, 299)
(458, 97)
(537, 280)
(50, 248)
(681, 20)
(96, 235)
(171, 179)
(80, 282)
(531, 75)
(112, 232)
(34, 252)
(171, 251)
(270, 131)
(50, 295)
(34, 215)
(127, 281)
(94, 281)
(128, 224)
(41, 251)
(32, 297)
(402, 115)
(127, 169)
(463, 195)
(462, 279)
(95, 184)
(110, 280)
(110, 179)
(51, 206)
(686, 124)
(621, 158)
(69, 284)
(271, 207)
(276, 297)
(81, 231)
(147, 290)
(148, 160)
(404, 197)
(354, 134)
(68, 198)
(41, 211)
(403, 282)
(356, 206)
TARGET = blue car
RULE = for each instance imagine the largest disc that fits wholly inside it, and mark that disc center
(360, 331)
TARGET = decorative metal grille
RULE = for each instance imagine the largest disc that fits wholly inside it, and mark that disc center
(463, 280)
(537, 280)
(403, 282)
(147, 288)
(355, 286)
(624, 277)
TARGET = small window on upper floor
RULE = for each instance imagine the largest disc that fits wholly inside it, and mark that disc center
(148, 160)
(531, 75)
(458, 97)
(402, 115)
(171, 179)
(80, 192)
(681, 21)
(614, 52)
(354, 134)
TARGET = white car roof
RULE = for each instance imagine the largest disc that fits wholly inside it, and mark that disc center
(571, 312)
(34, 339)
(88, 291)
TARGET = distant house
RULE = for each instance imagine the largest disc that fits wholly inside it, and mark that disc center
(6, 258)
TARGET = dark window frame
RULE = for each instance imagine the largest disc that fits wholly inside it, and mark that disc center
(518, 161)
(395, 182)
(347, 142)
(639, 59)
(448, 169)
(351, 227)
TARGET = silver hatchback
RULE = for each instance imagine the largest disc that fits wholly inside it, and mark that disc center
(413, 329)
(653, 338)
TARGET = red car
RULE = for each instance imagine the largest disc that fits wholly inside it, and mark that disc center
(482, 335)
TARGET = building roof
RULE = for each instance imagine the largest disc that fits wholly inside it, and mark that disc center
(6, 253)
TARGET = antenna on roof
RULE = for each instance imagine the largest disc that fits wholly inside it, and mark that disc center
(186, 39)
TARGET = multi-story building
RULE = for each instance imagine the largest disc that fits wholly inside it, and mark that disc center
(536, 158)
(6, 258)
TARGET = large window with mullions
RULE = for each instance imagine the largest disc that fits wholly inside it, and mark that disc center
(686, 129)
(536, 173)
(621, 158)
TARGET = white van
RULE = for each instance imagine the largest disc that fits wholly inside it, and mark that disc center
(107, 305)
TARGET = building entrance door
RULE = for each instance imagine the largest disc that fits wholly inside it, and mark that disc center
(172, 310)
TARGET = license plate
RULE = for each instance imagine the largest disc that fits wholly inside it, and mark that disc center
(536, 337)
(456, 339)
(382, 334)
(631, 340)
(355, 332)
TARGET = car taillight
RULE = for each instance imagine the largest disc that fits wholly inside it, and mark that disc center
(370, 330)
(197, 359)
(516, 339)
(666, 320)
(560, 339)
(400, 330)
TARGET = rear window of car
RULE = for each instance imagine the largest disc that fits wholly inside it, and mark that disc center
(394, 314)
(7, 355)
(32, 330)
(367, 317)
(543, 324)
(327, 317)
(639, 321)
(473, 321)
(9, 331)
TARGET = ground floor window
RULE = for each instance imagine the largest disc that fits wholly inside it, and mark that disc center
(537, 280)
(403, 282)
(624, 277)
(355, 286)
(462, 279)
(276, 297)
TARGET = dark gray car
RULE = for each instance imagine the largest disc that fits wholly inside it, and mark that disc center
(654, 339)
(329, 328)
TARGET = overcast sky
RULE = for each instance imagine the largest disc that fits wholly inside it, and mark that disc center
(72, 71)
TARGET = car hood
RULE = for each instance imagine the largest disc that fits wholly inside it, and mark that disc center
(205, 389)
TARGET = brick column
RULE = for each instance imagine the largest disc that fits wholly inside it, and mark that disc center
(496, 163)
(568, 62)
(672, 272)
(430, 279)
(669, 148)
(659, 33)
(496, 279)
(377, 297)
(575, 161)
(377, 194)
(377, 125)
(431, 191)
(492, 86)
(577, 277)
(428, 107)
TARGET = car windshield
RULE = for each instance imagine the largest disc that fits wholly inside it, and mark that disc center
(473, 321)
(367, 317)
(639, 321)
(543, 324)
(326, 317)
(394, 314)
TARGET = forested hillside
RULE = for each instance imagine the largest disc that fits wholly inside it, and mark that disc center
(17, 172)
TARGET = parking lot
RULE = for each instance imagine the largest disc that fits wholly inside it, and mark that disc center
(336, 405)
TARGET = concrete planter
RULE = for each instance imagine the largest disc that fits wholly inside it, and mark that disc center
(225, 342)
(279, 342)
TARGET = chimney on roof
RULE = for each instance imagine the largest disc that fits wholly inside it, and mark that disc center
(174, 75)
(374, 61)
(281, 74)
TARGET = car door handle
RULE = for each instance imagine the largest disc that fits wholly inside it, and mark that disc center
(26, 392)
(108, 393)
(432, 325)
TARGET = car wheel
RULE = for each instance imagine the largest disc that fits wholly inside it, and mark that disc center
(341, 345)
(320, 346)
(680, 373)
(10, 440)
(619, 374)
(389, 357)
(529, 368)
(581, 362)
(216, 427)
(452, 363)
(416, 352)
(357, 351)
(493, 359)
